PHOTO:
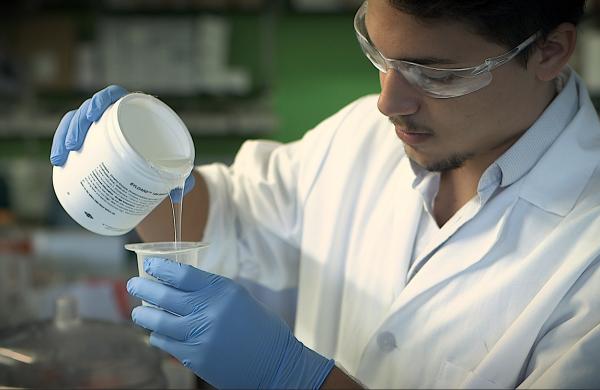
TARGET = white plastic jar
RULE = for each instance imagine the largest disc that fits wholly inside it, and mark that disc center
(131, 158)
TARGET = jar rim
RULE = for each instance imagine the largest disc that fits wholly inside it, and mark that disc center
(142, 163)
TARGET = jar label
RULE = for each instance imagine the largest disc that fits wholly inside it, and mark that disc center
(115, 196)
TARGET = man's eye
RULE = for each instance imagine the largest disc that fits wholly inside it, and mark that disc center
(437, 75)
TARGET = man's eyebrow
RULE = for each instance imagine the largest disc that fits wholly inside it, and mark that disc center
(427, 60)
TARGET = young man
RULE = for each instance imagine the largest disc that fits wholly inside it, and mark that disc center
(450, 242)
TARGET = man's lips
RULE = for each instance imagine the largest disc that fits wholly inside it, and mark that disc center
(411, 137)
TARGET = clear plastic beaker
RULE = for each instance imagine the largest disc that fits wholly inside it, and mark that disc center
(185, 252)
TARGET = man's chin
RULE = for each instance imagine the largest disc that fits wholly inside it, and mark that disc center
(437, 165)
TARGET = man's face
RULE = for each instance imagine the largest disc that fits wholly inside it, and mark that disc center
(443, 134)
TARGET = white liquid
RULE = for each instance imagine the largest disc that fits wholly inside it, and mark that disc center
(175, 164)
(177, 209)
(178, 165)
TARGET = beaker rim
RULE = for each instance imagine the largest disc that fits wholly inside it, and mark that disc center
(166, 246)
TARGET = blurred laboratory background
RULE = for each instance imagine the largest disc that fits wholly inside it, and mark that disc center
(232, 69)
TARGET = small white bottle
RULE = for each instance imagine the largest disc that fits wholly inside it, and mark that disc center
(130, 159)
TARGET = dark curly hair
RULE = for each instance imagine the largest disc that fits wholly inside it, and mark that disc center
(506, 22)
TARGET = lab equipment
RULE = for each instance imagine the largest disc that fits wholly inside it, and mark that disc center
(221, 332)
(435, 82)
(133, 155)
(70, 352)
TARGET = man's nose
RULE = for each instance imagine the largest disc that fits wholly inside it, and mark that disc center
(398, 97)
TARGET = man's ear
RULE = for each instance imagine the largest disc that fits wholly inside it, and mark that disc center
(553, 53)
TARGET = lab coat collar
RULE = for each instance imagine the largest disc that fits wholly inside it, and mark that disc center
(522, 156)
(561, 174)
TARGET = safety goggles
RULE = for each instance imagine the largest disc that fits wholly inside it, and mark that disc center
(435, 82)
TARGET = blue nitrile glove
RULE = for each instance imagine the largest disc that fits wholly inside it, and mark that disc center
(221, 332)
(176, 194)
(74, 125)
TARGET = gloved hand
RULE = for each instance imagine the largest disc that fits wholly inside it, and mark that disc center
(218, 330)
(177, 195)
(75, 124)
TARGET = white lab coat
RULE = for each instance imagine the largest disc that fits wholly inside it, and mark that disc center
(511, 299)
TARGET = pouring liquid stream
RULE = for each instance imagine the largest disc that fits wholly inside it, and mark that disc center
(177, 208)
(177, 192)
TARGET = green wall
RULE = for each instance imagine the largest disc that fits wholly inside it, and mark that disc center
(319, 69)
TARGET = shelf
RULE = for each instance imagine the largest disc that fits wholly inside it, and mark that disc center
(29, 7)
(233, 122)
(185, 5)
(322, 7)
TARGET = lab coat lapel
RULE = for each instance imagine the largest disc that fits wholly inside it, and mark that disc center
(376, 271)
(469, 245)
(405, 226)
(394, 256)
